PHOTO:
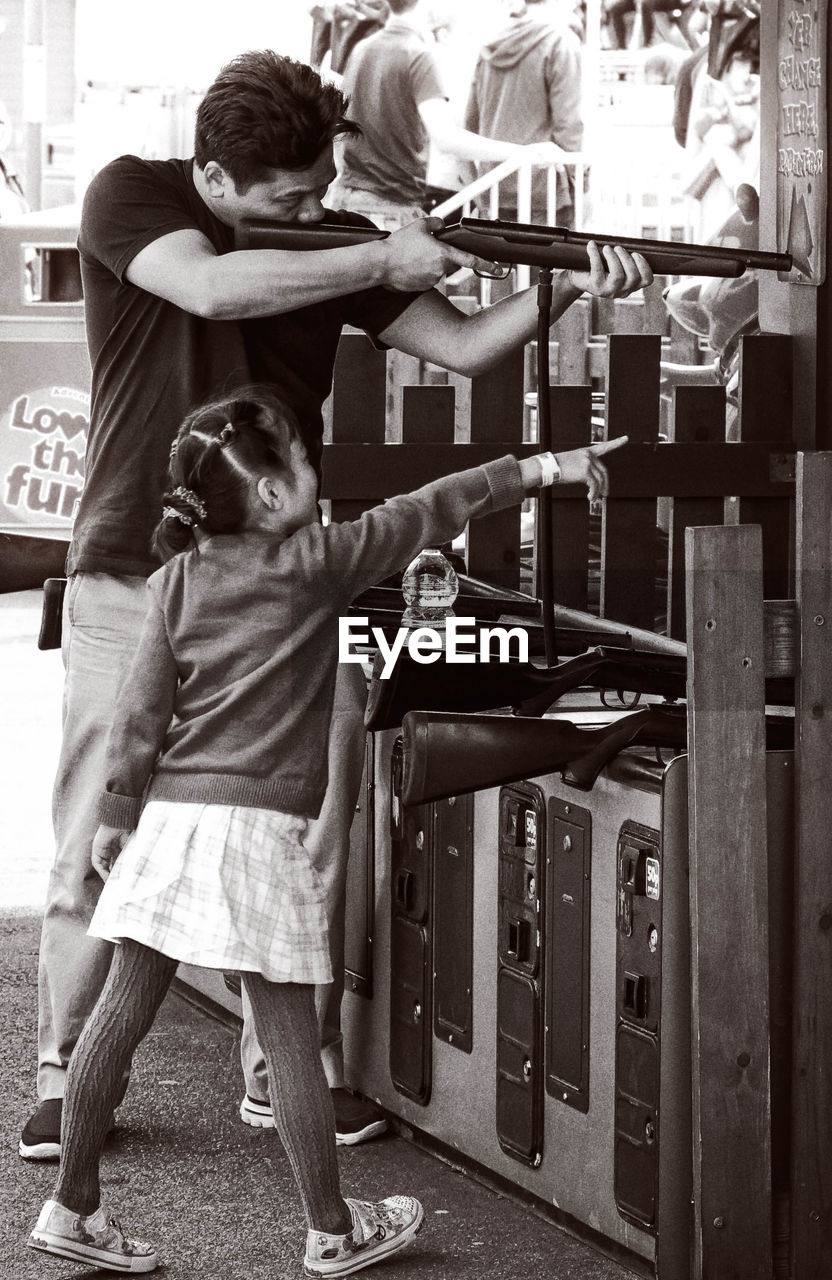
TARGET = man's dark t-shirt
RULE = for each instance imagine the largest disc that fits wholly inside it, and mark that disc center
(152, 362)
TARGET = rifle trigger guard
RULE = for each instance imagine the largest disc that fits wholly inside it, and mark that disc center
(500, 272)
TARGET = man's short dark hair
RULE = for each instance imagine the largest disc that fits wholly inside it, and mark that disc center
(402, 6)
(263, 112)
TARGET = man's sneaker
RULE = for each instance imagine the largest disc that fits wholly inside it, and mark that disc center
(258, 1114)
(97, 1240)
(41, 1136)
(378, 1230)
(356, 1119)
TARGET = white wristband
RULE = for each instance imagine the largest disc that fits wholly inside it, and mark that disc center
(549, 469)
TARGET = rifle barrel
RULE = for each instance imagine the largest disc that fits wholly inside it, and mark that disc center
(539, 236)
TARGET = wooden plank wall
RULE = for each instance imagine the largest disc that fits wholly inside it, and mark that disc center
(811, 1137)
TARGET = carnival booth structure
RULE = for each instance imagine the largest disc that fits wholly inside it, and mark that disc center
(589, 910)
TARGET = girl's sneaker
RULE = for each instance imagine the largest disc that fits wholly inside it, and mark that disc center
(97, 1240)
(379, 1230)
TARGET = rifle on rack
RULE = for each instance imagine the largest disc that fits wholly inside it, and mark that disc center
(515, 243)
(527, 689)
(530, 691)
(446, 754)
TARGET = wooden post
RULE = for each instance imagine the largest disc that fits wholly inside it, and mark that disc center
(811, 1144)
(729, 905)
(628, 531)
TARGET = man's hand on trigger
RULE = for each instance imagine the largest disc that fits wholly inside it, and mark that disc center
(417, 260)
(107, 844)
(613, 272)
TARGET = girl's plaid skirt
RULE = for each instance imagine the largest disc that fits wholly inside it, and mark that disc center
(221, 886)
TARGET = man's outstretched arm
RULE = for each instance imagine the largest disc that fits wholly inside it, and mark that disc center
(433, 329)
(184, 268)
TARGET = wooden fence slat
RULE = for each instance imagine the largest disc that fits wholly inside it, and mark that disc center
(628, 531)
(571, 421)
(811, 1140)
(616, 316)
(428, 414)
(765, 414)
(698, 417)
(684, 346)
(729, 905)
(497, 414)
(572, 333)
(359, 407)
(656, 318)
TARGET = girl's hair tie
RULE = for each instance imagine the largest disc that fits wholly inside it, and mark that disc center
(198, 511)
(226, 435)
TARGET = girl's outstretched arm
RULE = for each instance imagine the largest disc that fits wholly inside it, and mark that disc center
(357, 553)
(576, 466)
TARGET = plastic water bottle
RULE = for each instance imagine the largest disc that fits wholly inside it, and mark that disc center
(430, 587)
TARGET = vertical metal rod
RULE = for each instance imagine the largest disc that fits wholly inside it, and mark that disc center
(544, 435)
(34, 98)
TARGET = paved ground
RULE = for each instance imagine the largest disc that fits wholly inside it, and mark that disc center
(216, 1198)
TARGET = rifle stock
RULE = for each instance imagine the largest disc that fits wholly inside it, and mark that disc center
(515, 243)
(446, 755)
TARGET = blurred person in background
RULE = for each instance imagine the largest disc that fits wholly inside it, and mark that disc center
(723, 133)
(12, 200)
(724, 24)
(399, 102)
(681, 10)
(527, 90)
(452, 48)
(662, 62)
(337, 28)
(722, 311)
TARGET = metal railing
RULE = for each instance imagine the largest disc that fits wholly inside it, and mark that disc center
(488, 187)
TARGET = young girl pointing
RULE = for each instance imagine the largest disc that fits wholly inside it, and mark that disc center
(217, 763)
